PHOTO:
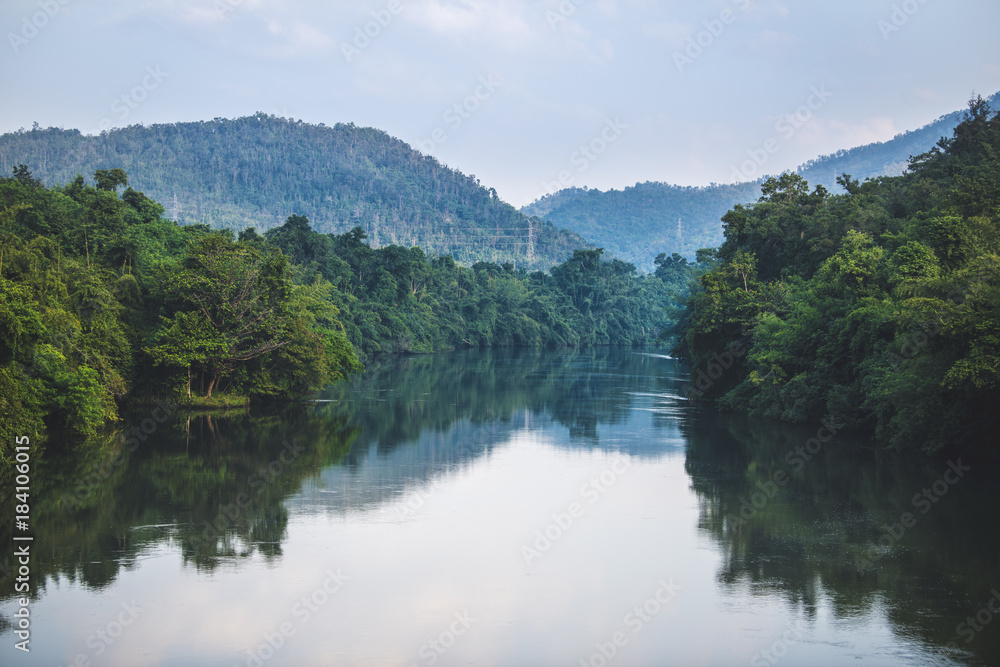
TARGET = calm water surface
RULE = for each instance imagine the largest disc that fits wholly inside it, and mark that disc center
(506, 508)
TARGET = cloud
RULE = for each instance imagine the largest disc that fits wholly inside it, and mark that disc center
(198, 13)
(604, 58)
(503, 24)
(264, 29)
(780, 10)
(297, 40)
(449, 18)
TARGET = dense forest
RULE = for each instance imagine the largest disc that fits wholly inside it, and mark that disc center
(395, 299)
(877, 309)
(253, 171)
(104, 302)
(637, 223)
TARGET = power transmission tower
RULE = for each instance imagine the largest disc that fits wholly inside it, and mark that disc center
(531, 240)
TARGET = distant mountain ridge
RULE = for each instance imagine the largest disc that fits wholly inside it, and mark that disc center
(887, 158)
(257, 170)
(639, 222)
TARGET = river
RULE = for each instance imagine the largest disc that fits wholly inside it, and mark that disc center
(505, 508)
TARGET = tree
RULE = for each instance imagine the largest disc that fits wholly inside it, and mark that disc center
(110, 179)
(241, 293)
(23, 176)
(188, 339)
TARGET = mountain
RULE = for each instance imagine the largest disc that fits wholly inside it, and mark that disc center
(639, 222)
(257, 170)
(888, 158)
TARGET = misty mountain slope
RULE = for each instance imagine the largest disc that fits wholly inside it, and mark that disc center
(887, 158)
(639, 222)
(257, 170)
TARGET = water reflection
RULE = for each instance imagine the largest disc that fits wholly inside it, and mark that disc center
(455, 460)
(218, 486)
(99, 509)
(419, 417)
(836, 529)
(401, 400)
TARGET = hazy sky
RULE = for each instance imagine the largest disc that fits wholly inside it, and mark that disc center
(513, 90)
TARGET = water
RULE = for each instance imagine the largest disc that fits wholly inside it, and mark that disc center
(505, 508)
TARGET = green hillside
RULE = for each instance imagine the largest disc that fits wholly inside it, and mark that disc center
(257, 170)
(640, 222)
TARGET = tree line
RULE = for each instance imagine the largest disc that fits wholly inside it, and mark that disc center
(104, 302)
(877, 309)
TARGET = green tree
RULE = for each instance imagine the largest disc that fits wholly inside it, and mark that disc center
(110, 179)
(188, 340)
(241, 293)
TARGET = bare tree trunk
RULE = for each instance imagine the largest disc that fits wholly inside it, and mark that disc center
(212, 383)
(189, 381)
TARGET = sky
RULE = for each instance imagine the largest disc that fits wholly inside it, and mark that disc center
(530, 96)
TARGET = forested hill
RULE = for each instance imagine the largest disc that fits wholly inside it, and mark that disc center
(257, 170)
(640, 222)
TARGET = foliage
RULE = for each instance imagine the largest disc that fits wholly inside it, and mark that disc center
(250, 172)
(104, 302)
(640, 222)
(395, 299)
(878, 309)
